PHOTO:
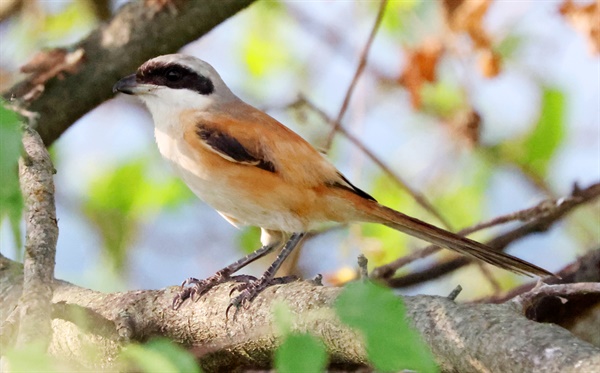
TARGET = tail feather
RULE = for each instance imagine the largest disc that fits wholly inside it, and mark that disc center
(460, 244)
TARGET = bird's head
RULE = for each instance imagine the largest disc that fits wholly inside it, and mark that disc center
(176, 82)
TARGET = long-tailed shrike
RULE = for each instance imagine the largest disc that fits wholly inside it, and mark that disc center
(255, 171)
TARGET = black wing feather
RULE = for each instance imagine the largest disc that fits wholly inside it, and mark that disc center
(232, 149)
(349, 186)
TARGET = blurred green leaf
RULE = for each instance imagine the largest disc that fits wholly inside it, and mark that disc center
(263, 50)
(375, 311)
(31, 358)
(249, 239)
(300, 353)
(160, 355)
(120, 199)
(509, 46)
(549, 132)
(397, 13)
(464, 196)
(283, 318)
(11, 199)
(535, 150)
(442, 99)
(297, 352)
(76, 15)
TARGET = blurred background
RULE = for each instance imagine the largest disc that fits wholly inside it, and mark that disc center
(485, 108)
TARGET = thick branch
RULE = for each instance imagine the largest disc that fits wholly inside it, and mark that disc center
(112, 51)
(35, 173)
(463, 337)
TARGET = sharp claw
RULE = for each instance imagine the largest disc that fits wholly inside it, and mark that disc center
(175, 304)
(246, 303)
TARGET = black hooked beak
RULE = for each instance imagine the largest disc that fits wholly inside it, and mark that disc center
(127, 85)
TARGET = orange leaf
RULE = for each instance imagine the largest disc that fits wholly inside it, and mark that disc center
(490, 63)
(420, 68)
(585, 19)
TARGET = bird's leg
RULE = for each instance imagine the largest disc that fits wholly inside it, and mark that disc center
(199, 287)
(250, 289)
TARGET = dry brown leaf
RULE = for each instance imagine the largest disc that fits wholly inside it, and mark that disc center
(420, 68)
(466, 127)
(585, 19)
(490, 63)
(467, 16)
(47, 65)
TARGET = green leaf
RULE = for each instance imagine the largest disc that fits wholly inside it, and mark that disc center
(300, 353)
(249, 239)
(160, 355)
(535, 150)
(76, 16)
(31, 358)
(509, 46)
(283, 319)
(392, 345)
(398, 14)
(464, 196)
(443, 99)
(11, 199)
(549, 132)
(120, 199)
(263, 50)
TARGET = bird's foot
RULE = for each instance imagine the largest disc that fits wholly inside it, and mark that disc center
(250, 289)
(193, 288)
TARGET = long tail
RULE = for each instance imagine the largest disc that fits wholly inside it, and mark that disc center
(417, 228)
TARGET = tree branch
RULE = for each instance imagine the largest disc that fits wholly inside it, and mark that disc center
(36, 173)
(463, 337)
(110, 52)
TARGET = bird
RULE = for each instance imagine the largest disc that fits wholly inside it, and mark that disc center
(255, 171)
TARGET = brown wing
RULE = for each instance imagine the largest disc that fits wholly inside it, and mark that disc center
(240, 133)
(230, 148)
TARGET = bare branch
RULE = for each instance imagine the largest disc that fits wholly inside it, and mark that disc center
(400, 182)
(36, 173)
(584, 269)
(564, 291)
(362, 63)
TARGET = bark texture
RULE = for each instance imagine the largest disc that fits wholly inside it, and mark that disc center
(463, 337)
(36, 178)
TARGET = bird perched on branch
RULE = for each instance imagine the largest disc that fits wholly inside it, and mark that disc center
(255, 171)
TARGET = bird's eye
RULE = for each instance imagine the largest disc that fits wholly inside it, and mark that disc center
(173, 75)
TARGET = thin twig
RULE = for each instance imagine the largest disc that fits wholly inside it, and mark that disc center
(401, 183)
(560, 290)
(454, 293)
(362, 266)
(489, 276)
(584, 269)
(359, 70)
